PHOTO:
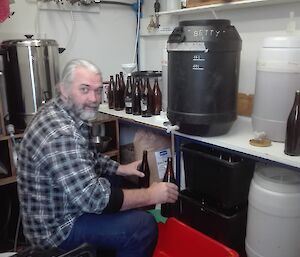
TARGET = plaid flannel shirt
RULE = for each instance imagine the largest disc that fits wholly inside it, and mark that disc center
(59, 175)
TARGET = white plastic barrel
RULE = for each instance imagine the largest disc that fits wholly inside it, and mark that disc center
(277, 79)
(273, 225)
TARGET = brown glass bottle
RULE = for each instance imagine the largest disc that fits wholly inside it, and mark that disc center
(144, 182)
(292, 139)
(128, 95)
(142, 85)
(150, 94)
(117, 94)
(110, 94)
(146, 108)
(157, 98)
(122, 88)
(169, 209)
(136, 99)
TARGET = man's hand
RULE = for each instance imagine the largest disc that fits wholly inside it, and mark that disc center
(163, 192)
(130, 169)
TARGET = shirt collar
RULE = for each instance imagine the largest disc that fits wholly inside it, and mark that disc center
(62, 105)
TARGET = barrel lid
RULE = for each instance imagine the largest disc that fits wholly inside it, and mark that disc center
(278, 179)
(29, 42)
(206, 22)
(282, 42)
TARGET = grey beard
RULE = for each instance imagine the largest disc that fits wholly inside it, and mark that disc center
(88, 115)
(80, 112)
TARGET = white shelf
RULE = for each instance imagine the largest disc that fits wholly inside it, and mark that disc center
(227, 6)
(154, 121)
(237, 139)
(156, 33)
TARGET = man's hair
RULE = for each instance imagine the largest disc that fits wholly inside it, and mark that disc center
(67, 75)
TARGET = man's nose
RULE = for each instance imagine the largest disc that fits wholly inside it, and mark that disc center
(94, 96)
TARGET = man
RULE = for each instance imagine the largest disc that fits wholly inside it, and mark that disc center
(65, 196)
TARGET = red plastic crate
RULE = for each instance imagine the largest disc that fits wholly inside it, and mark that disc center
(176, 239)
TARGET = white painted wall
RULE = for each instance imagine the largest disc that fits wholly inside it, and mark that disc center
(252, 23)
(106, 38)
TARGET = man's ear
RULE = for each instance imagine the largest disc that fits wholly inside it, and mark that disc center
(63, 90)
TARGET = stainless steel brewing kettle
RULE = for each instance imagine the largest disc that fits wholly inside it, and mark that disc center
(31, 69)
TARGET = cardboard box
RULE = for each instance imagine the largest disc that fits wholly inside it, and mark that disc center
(127, 154)
(195, 3)
(158, 147)
(245, 104)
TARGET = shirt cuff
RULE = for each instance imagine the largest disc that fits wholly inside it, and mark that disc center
(115, 200)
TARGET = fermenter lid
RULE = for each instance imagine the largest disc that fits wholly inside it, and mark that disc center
(206, 22)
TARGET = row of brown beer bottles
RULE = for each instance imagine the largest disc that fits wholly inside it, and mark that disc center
(116, 91)
(145, 100)
(136, 97)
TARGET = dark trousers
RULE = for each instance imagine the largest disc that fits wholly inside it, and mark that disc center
(128, 233)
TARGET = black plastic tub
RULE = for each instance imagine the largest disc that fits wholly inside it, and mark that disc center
(221, 177)
(228, 227)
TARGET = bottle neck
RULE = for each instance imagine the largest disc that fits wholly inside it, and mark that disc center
(128, 81)
(297, 98)
(170, 166)
(169, 175)
(145, 156)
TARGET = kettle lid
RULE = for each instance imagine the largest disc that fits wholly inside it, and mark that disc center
(29, 42)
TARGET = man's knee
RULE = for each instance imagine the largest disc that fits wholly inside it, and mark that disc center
(146, 236)
(147, 227)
